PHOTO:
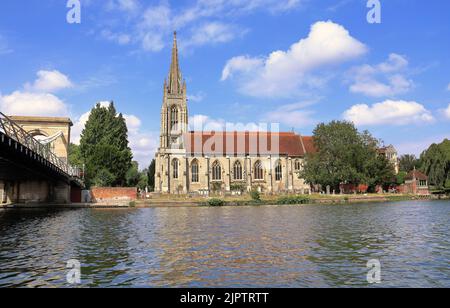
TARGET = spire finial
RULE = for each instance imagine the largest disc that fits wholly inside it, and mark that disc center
(175, 78)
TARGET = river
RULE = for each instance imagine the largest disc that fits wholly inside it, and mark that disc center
(268, 246)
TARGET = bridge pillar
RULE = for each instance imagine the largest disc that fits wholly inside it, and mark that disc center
(61, 193)
(2, 192)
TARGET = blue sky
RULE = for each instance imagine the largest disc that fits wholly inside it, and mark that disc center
(295, 62)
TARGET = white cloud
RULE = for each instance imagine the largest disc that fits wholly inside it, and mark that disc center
(447, 112)
(32, 104)
(366, 79)
(292, 115)
(50, 81)
(203, 21)
(448, 87)
(389, 112)
(143, 144)
(200, 96)
(283, 72)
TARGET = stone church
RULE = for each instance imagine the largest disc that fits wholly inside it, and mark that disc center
(200, 162)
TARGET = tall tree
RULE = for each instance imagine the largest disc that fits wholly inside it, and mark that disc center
(345, 155)
(436, 164)
(104, 147)
(408, 162)
(151, 175)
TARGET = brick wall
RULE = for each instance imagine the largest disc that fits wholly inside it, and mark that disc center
(106, 194)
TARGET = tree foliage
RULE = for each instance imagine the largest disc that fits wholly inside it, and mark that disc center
(435, 162)
(104, 147)
(408, 162)
(151, 175)
(345, 155)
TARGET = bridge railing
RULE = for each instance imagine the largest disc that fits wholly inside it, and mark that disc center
(16, 132)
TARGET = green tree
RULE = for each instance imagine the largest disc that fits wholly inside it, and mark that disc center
(75, 158)
(133, 175)
(435, 162)
(408, 162)
(104, 146)
(345, 155)
(151, 175)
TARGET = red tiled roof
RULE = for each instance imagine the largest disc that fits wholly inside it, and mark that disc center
(416, 174)
(248, 143)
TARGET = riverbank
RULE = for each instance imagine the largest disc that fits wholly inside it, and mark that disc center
(180, 201)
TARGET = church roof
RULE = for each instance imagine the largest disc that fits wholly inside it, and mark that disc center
(248, 143)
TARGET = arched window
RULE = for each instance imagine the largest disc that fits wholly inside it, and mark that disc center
(278, 171)
(216, 171)
(174, 118)
(237, 170)
(175, 164)
(259, 171)
(298, 165)
(194, 171)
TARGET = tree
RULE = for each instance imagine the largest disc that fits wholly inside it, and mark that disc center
(75, 158)
(133, 176)
(151, 175)
(104, 146)
(436, 163)
(345, 156)
(408, 162)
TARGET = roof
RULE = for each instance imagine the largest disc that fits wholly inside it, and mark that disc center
(248, 143)
(33, 119)
(417, 175)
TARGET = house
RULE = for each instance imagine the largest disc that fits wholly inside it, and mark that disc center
(416, 183)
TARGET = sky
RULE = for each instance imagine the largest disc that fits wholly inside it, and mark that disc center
(293, 62)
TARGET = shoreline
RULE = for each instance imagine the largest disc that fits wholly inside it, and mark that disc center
(174, 203)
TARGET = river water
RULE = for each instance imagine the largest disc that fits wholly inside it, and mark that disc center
(270, 246)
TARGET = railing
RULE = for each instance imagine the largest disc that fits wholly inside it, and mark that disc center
(14, 131)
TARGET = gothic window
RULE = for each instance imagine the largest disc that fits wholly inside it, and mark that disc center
(216, 171)
(175, 165)
(278, 171)
(298, 165)
(237, 170)
(174, 118)
(259, 171)
(194, 171)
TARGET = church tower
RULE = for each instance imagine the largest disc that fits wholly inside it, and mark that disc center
(174, 112)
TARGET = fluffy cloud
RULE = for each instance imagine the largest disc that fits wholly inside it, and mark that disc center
(37, 99)
(366, 78)
(283, 72)
(49, 81)
(32, 104)
(389, 112)
(142, 144)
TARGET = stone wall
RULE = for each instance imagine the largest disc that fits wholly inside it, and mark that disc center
(113, 194)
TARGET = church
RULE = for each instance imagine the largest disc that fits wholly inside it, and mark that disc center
(205, 163)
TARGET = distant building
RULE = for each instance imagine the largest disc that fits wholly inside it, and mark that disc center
(416, 183)
(391, 154)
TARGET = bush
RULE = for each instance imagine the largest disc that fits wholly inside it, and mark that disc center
(293, 200)
(256, 196)
(216, 202)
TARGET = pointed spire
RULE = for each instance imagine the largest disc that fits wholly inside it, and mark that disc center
(175, 82)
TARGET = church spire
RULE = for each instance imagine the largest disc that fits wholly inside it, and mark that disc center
(175, 82)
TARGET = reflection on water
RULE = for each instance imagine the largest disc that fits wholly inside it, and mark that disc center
(298, 246)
